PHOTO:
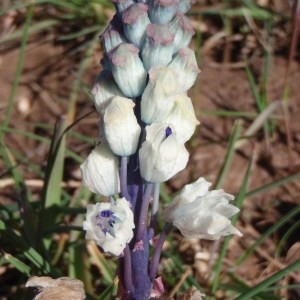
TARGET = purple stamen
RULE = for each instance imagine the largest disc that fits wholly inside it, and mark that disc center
(106, 220)
(168, 131)
(106, 213)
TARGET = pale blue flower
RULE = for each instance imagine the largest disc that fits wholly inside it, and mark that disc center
(162, 11)
(113, 35)
(183, 31)
(185, 5)
(158, 47)
(128, 70)
(135, 19)
(122, 5)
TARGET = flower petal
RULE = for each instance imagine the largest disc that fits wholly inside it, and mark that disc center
(199, 213)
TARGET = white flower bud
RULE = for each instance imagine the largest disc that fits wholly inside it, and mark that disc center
(202, 214)
(128, 70)
(122, 4)
(158, 47)
(162, 11)
(135, 19)
(110, 225)
(121, 128)
(161, 155)
(100, 172)
(104, 90)
(185, 5)
(182, 117)
(113, 35)
(158, 97)
(183, 31)
(185, 64)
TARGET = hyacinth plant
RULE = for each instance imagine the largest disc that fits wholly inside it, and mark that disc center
(145, 119)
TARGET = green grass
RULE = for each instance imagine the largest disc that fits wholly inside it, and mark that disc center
(41, 235)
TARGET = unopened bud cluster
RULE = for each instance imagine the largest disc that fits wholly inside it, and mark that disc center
(147, 72)
(146, 117)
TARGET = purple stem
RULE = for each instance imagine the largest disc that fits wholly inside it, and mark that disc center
(158, 248)
(127, 270)
(142, 222)
(133, 190)
(140, 272)
(123, 178)
(154, 210)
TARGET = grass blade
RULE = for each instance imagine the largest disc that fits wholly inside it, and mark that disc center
(53, 177)
(27, 213)
(23, 268)
(274, 184)
(239, 200)
(29, 252)
(35, 28)
(229, 155)
(17, 77)
(266, 283)
(285, 237)
(268, 232)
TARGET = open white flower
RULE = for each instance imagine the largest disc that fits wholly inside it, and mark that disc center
(100, 171)
(161, 155)
(202, 214)
(110, 225)
(183, 118)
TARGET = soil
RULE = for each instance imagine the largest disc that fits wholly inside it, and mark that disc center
(49, 72)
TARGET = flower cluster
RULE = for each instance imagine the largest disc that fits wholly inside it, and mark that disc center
(146, 117)
(148, 69)
(141, 94)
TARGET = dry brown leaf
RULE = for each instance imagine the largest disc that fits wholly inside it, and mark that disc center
(58, 289)
(192, 294)
(293, 254)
